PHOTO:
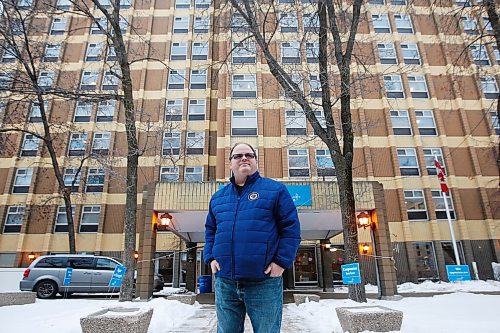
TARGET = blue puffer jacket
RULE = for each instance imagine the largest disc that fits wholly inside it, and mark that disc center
(246, 232)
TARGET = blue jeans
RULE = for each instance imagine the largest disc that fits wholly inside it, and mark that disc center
(263, 301)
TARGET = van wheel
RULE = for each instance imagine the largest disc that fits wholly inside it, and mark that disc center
(46, 289)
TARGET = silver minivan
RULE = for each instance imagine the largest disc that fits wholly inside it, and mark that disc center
(91, 274)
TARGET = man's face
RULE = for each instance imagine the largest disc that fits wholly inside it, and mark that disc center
(244, 166)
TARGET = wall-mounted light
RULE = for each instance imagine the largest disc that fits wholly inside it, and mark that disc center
(31, 256)
(364, 220)
(165, 219)
(136, 255)
(365, 247)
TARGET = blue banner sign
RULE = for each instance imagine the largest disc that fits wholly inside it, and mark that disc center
(351, 273)
(458, 273)
(67, 276)
(301, 194)
(116, 279)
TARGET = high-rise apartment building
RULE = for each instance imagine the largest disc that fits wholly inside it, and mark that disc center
(202, 85)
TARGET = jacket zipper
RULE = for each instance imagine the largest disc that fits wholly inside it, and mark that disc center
(233, 275)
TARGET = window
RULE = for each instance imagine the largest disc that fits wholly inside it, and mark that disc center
(487, 25)
(178, 51)
(99, 26)
(479, 54)
(46, 79)
(410, 54)
(408, 165)
(470, 25)
(244, 85)
(94, 52)
(298, 163)
(196, 109)
(171, 143)
(489, 87)
(90, 218)
(426, 261)
(24, 4)
(176, 79)
(111, 56)
(14, 219)
(494, 121)
(123, 24)
(290, 53)
(77, 144)
(324, 163)
(320, 116)
(61, 224)
(80, 263)
(169, 174)
(425, 122)
(403, 23)
(52, 262)
(103, 264)
(496, 53)
(6, 80)
(398, 2)
(22, 180)
(95, 180)
(100, 143)
(105, 3)
(400, 122)
(462, 3)
(71, 177)
(181, 25)
(198, 79)
(381, 23)
(418, 86)
(244, 122)
(393, 86)
(58, 26)
(193, 174)
(182, 3)
(36, 113)
(439, 206)
(312, 52)
(244, 52)
(63, 4)
(200, 51)
(295, 122)
(173, 110)
(297, 79)
(311, 22)
(429, 155)
(110, 80)
(8, 54)
(289, 22)
(30, 145)
(105, 111)
(238, 23)
(415, 205)
(201, 24)
(8, 260)
(52, 52)
(201, 4)
(376, 2)
(449, 253)
(387, 53)
(195, 143)
(315, 86)
(89, 80)
(83, 111)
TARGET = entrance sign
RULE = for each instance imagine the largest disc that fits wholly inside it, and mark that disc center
(301, 194)
(458, 273)
(351, 273)
(67, 276)
(116, 279)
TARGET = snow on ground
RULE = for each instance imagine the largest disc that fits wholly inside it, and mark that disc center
(458, 313)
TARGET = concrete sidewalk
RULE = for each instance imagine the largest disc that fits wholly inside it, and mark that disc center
(205, 321)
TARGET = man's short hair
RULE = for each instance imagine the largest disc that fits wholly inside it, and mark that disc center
(242, 143)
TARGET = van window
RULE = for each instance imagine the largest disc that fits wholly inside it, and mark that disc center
(105, 264)
(81, 263)
(52, 262)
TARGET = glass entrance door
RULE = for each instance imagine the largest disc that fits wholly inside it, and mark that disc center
(305, 269)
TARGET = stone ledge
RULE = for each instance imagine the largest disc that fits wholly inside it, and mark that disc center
(17, 298)
(119, 319)
(369, 318)
(186, 299)
(304, 298)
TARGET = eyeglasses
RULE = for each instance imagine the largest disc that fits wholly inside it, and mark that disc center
(240, 156)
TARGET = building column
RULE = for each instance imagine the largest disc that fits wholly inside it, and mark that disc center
(327, 259)
(191, 266)
(176, 269)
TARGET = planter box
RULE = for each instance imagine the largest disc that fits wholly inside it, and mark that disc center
(304, 298)
(17, 298)
(119, 319)
(369, 318)
(186, 299)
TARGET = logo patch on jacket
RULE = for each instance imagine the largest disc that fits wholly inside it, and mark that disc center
(253, 196)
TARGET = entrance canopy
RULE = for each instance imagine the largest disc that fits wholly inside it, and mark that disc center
(314, 225)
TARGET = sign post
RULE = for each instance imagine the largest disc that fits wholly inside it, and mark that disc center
(351, 273)
(116, 279)
(67, 276)
(458, 273)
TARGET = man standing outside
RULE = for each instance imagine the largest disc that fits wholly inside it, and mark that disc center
(252, 234)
